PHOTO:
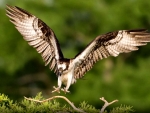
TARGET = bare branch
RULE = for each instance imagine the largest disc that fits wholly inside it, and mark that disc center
(106, 104)
(54, 97)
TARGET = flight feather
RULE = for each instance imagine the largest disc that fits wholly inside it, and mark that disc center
(37, 33)
(110, 44)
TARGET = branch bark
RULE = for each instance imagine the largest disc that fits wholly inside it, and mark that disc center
(54, 97)
(106, 104)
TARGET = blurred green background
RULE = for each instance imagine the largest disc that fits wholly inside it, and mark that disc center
(76, 23)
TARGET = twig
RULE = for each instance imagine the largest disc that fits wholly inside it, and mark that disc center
(106, 104)
(71, 104)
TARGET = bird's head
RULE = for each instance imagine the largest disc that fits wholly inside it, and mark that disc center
(62, 66)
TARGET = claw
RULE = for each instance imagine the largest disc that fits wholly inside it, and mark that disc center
(56, 89)
(65, 90)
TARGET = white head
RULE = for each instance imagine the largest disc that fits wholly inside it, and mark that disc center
(63, 66)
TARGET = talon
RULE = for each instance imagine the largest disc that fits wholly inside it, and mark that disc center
(65, 91)
(56, 89)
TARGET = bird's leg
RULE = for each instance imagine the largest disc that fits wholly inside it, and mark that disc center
(65, 89)
(59, 86)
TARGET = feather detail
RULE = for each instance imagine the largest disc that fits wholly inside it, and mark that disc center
(37, 33)
(110, 44)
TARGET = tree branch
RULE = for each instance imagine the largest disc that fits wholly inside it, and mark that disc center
(54, 97)
(106, 104)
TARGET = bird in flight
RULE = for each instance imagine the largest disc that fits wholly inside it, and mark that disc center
(44, 40)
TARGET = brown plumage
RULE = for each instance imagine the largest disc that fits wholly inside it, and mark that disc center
(43, 39)
(110, 44)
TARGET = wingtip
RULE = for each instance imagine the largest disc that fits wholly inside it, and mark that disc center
(8, 9)
(8, 6)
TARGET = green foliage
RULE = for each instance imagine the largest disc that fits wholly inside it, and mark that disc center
(27, 106)
(8, 106)
(122, 109)
(88, 108)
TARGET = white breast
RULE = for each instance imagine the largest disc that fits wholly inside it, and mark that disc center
(66, 77)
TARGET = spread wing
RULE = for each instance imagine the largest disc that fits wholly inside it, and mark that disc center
(110, 44)
(38, 35)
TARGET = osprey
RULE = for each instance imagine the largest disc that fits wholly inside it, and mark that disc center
(43, 39)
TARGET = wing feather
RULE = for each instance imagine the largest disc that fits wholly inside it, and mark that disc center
(37, 33)
(110, 44)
